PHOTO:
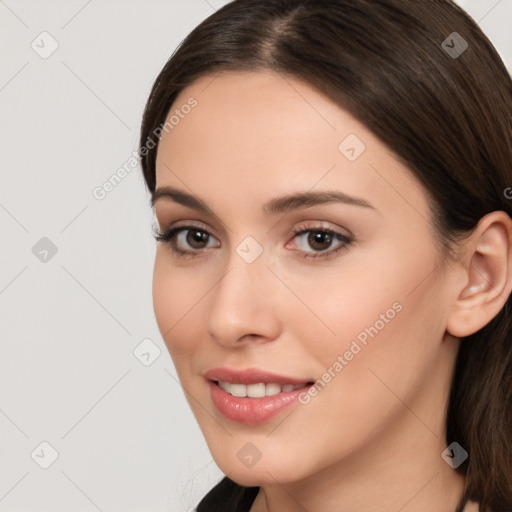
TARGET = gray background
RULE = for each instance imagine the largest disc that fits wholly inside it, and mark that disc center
(71, 374)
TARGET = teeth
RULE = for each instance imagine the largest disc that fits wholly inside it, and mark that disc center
(238, 390)
(272, 389)
(226, 386)
(256, 390)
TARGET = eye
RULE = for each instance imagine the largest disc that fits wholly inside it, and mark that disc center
(320, 239)
(185, 240)
(189, 241)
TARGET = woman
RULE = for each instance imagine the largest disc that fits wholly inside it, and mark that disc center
(333, 272)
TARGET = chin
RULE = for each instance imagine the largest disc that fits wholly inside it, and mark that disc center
(266, 471)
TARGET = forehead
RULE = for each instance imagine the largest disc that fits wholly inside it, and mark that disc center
(262, 133)
(247, 113)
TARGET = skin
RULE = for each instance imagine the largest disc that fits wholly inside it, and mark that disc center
(375, 433)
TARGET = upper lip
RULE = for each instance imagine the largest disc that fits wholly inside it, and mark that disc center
(251, 376)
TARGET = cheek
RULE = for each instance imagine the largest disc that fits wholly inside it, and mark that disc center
(376, 318)
(388, 335)
(176, 300)
(379, 292)
(357, 299)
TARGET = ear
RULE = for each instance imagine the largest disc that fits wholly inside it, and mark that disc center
(486, 275)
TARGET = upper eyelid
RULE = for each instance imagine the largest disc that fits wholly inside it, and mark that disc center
(317, 224)
(186, 225)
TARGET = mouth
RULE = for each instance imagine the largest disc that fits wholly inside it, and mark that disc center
(252, 397)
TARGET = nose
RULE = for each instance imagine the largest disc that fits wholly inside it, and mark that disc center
(243, 305)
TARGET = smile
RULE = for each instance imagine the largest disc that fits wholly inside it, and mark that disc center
(257, 390)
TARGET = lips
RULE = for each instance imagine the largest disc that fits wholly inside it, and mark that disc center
(252, 376)
(253, 396)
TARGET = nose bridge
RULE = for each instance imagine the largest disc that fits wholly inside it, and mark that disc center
(241, 301)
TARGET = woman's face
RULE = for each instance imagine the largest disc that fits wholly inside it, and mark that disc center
(361, 310)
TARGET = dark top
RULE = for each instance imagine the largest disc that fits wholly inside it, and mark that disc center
(228, 496)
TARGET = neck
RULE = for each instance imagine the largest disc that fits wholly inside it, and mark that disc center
(417, 484)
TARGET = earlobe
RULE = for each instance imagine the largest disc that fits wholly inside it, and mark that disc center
(487, 271)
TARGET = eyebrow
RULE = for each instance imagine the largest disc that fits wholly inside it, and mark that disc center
(283, 204)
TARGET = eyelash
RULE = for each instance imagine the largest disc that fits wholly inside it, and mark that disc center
(168, 237)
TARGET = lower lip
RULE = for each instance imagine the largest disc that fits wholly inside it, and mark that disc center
(252, 411)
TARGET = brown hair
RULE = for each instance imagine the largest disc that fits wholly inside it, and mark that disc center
(447, 117)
